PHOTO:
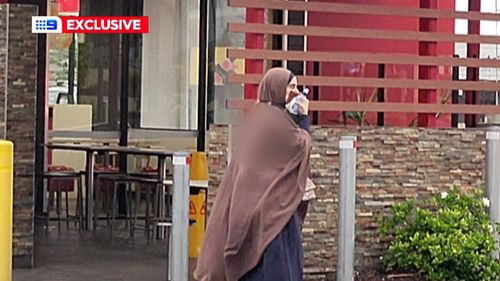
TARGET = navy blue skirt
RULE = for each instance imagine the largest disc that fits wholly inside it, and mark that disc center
(283, 259)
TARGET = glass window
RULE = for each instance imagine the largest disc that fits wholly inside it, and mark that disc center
(169, 80)
(85, 70)
(222, 66)
(162, 66)
(100, 65)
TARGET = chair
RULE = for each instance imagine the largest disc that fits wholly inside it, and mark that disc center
(149, 183)
(118, 180)
(103, 189)
(61, 180)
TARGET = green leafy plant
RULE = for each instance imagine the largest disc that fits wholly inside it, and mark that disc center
(448, 238)
(444, 98)
(358, 117)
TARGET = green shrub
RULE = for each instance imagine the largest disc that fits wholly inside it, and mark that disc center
(450, 239)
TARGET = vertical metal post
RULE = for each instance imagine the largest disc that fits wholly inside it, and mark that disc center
(493, 174)
(180, 218)
(211, 46)
(42, 115)
(161, 226)
(90, 190)
(347, 201)
(285, 37)
(124, 78)
(381, 95)
(202, 75)
(71, 71)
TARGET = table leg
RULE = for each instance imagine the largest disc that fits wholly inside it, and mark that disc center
(105, 156)
(89, 208)
(161, 205)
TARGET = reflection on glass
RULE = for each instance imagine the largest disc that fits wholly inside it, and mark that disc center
(99, 68)
(170, 65)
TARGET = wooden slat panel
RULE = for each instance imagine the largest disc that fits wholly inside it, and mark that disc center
(359, 57)
(362, 9)
(359, 33)
(383, 107)
(376, 82)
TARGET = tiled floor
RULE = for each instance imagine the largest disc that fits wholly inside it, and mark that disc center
(71, 256)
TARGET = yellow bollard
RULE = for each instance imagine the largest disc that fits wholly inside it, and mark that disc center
(197, 229)
(198, 201)
(199, 166)
(6, 194)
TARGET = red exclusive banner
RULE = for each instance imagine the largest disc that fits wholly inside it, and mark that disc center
(105, 24)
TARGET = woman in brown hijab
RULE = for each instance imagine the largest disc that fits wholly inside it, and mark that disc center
(253, 232)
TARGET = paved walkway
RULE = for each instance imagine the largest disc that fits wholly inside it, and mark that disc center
(71, 256)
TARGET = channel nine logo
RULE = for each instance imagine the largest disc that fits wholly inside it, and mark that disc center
(46, 25)
(52, 24)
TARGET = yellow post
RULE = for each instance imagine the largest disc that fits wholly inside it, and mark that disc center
(197, 230)
(197, 204)
(6, 194)
(199, 166)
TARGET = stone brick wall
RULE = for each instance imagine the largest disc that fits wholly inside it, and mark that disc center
(393, 165)
(3, 66)
(217, 159)
(18, 56)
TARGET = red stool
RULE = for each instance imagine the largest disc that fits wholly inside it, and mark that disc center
(150, 186)
(104, 189)
(151, 199)
(61, 179)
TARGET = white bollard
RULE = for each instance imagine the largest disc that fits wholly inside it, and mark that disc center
(179, 262)
(347, 209)
(493, 174)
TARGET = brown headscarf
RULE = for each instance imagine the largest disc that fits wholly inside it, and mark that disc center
(261, 188)
(273, 86)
